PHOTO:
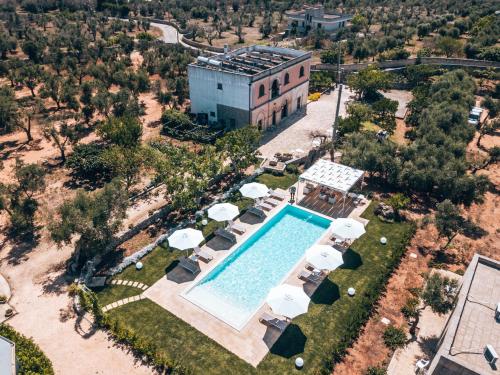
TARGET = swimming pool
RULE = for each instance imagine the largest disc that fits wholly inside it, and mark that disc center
(238, 286)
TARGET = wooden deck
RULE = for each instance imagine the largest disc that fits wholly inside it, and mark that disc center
(335, 210)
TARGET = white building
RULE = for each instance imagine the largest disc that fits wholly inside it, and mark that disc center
(256, 85)
(7, 357)
(311, 18)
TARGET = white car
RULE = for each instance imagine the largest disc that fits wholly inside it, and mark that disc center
(475, 115)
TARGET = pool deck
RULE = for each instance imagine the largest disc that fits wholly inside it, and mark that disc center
(253, 342)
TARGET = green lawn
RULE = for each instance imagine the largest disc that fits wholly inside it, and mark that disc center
(311, 335)
(274, 182)
(113, 293)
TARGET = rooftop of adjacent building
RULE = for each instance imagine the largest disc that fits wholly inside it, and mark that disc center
(252, 60)
(472, 325)
(7, 359)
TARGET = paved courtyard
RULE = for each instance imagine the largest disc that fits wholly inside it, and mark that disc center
(296, 138)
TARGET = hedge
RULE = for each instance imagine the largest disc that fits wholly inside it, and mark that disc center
(30, 358)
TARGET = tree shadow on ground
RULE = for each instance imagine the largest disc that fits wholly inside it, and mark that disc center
(428, 345)
(352, 260)
(21, 248)
(472, 230)
(290, 343)
(56, 284)
(177, 274)
(326, 293)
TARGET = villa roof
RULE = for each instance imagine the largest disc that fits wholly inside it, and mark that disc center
(332, 175)
(7, 357)
(252, 60)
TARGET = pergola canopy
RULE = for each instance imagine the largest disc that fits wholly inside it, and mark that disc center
(332, 175)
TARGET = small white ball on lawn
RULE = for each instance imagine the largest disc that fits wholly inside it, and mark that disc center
(139, 265)
(299, 362)
(383, 240)
(351, 291)
(204, 222)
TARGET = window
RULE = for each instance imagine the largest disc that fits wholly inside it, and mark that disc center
(319, 26)
(219, 86)
(212, 114)
(262, 91)
(275, 91)
(287, 79)
(301, 74)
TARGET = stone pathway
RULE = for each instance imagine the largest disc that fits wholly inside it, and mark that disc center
(133, 284)
(123, 302)
(130, 283)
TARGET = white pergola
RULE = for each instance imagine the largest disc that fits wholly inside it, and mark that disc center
(334, 176)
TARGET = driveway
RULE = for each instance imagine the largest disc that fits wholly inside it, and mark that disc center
(169, 33)
(296, 138)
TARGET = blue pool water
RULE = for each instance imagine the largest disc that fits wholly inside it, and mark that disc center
(236, 288)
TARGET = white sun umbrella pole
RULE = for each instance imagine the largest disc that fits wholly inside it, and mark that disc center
(324, 257)
(254, 190)
(288, 300)
(223, 212)
(347, 228)
(184, 239)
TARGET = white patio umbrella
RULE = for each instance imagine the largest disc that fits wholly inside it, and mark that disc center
(288, 300)
(254, 190)
(223, 211)
(184, 239)
(347, 228)
(324, 257)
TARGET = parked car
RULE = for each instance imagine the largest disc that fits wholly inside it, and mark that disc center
(475, 116)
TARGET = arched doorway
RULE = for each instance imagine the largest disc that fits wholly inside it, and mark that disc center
(298, 103)
(274, 118)
(284, 110)
(259, 125)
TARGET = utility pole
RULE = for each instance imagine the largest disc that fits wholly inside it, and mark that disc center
(335, 123)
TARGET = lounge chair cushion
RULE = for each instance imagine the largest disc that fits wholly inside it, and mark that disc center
(238, 228)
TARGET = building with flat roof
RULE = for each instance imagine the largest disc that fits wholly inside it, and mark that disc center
(471, 337)
(311, 18)
(257, 85)
(7, 357)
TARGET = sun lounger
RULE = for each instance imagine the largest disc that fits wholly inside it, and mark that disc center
(271, 321)
(237, 228)
(265, 206)
(277, 195)
(310, 277)
(189, 265)
(257, 212)
(225, 234)
(203, 255)
(273, 202)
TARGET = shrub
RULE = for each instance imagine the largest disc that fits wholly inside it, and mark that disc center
(394, 337)
(30, 358)
(376, 370)
(292, 168)
(314, 97)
